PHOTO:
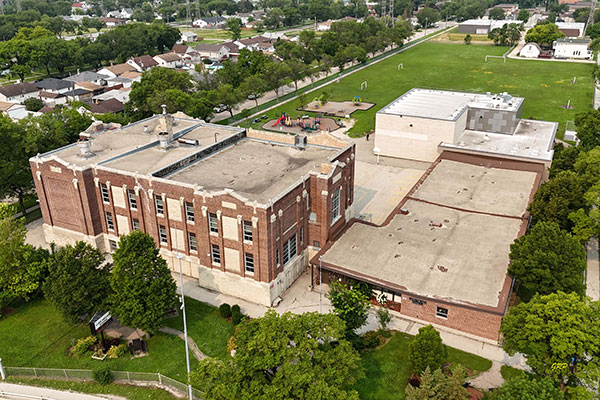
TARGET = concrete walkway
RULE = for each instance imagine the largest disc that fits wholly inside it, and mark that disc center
(192, 344)
(593, 270)
(491, 378)
(46, 394)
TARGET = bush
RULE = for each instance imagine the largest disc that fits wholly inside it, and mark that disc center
(426, 350)
(231, 344)
(384, 318)
(33, 104)
(225, 310)
(356, 341)
(103, 375)
(83, 346)
(236, 316)
(235, 309)
(372, 339)
(117, 351)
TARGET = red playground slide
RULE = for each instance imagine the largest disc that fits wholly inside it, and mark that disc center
(279, 120)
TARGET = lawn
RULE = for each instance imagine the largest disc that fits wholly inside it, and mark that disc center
(128, 391)
(546, 86)
(386, 369)
(206, 326)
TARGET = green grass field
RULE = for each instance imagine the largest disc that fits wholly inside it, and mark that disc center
(546, 86)
(386, 369)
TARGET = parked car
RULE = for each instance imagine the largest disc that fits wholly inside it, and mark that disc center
(220, 108)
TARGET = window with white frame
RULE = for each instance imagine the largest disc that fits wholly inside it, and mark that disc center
(160, 207)
(189, 212)
(289, 249)
(249, 262)
(215, 254)
(441, 312)
(112, 245)
(110, 224)
(213, 223)
(162, 232)
(135, 223)
(247, 227)
(277, 258)
(104, 193)
(335, 205)
(132, 199)
(192, 243)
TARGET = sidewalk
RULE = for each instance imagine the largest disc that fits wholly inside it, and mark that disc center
(299, 299)
(593, 270)
(47, 394)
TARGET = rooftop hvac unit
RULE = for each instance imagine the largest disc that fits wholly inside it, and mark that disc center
(300, 141)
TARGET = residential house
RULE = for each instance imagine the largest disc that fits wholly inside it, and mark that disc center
(53, 85)
(214, 51)
(124, 13)
(121, 94)
(188, 37)
(52, 98)
(324, 26)
(18, 92)
(88, 76)
(230, 49)
(572, 48)
(112, 22)
(209, 22)
(571, 29)
(92, 87)
(142, 63)
(110, 106)
(531, 50)
(78, 94)
(168, 60)
(15, 111)
(509, 9)
(115, 70)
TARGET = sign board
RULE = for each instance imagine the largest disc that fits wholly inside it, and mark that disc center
(99, 321)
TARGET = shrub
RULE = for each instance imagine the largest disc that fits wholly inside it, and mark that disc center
(355, 340)
(103, 375)
(372, 339)
(225, 310)
(117, 351)
(83, 346)
(384, 318)
(426, 350)
(235, 309)
(236, 317)
(33, 104)
(231, 344)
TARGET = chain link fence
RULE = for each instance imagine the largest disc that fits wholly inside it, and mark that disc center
(120, 376)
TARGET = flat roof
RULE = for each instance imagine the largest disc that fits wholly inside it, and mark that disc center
(257, 169)
(465, 260)
(530, 140)
(447, 105)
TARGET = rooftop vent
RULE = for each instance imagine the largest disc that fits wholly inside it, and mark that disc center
(191, 142)
(300, 141)
(85, 147)
(163, 139)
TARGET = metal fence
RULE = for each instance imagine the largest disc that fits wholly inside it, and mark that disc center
(120, 376)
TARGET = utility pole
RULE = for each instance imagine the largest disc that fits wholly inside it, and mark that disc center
(187, 12)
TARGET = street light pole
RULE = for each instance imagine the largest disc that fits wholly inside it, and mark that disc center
(187, 350)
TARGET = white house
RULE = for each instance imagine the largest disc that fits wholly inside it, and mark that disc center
(116, 70)
(324, 26)
(18, 92)
(125, 13)
(530, 50)
(572, 48)
(142, 63)
(209, 22)
(14, 111)
(87, 76)
(54, 85)
(168, 60)
(188, 37)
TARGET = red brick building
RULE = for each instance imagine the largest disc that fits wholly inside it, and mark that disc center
(244, 209)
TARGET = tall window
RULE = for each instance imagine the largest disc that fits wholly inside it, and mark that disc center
(213, 224)
(215, 254)
(249, 262)
(335, 205)
(247, 231)
(112, 245)
(289, 249)
(110, 224)
(301, 236)
(158, 202)
(277, 258)
(132, 199)
(135, 223)
(192, 243)
(189, 212)
(104, 192)
(162, 232)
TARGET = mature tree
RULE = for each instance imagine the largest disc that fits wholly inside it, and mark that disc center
(234, 26)
(588, 129)
(144, 14)
(593, 31)
(544, 34)
(548, 259)
(253, 87)
(496, 13)
(438, 385)
(523, 16)
(78, 281)
(468, 38)
(284, 357)
(426, 350)
(587, 167)
(427, 17)
(556, 198)
(18, 53)
(275, 75)
(21, 265)
(227, 96)
(350, 304)
(526, 388)
(297, 71)
(142, 283)
(564, 158)
(33, 104)
(560, 335)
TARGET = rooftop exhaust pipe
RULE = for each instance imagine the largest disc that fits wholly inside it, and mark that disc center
(85, 147)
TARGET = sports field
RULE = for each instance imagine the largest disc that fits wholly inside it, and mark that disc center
(545, 85)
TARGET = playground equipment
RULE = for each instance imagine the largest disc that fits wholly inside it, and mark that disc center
(317, 102)
(304, 122)
(356, 100)
(363, 85)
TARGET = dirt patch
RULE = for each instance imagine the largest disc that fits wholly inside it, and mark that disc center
(296, 125)
(7, 311)
(337, 108)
